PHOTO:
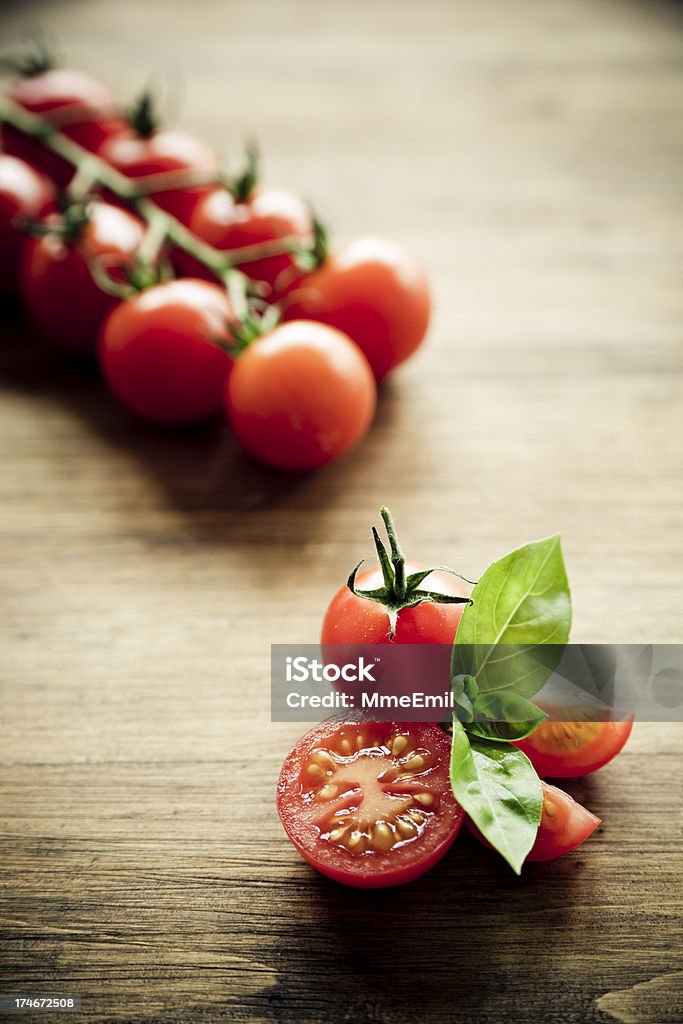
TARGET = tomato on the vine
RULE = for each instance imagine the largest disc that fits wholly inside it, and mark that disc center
(264, 215)
(164, 152)
(300, 396)
(58, 286)
(565, 824)
(79, 105)
(566, 750)
(375, 292)
(408, 603)
(24, 193)
(370, 804)
(161, 351)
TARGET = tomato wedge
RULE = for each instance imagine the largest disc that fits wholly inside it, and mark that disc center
(370, 804)
(565, 824)
(567, 750)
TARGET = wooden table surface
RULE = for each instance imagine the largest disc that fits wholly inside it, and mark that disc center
(531, 155)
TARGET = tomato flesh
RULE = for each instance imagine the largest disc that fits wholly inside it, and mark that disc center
(567, 750)
(565, 824)
(357, 620)
(370, 804)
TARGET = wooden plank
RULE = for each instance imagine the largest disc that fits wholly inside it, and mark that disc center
(532, 159)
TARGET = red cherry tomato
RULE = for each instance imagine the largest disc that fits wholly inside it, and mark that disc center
(567, 750)
(374, 292)
(164, 152)
(300, 396)
(60, 294)
(24, 192)
(159, 354)
(565, 824)
(82, 107)
(357, 620)
(269, 214)
(370, 805)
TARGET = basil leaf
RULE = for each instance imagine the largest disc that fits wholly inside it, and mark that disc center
(503, 715)
(522, 600)
(495, 783)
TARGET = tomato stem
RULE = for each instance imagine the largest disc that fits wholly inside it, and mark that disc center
(163, 226)
(36, 61)
(400, 591)
(397, 557)
(242, 185)
(81, 183)
(312, 257)
(142, 116)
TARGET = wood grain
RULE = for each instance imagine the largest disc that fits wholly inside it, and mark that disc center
(531, 155)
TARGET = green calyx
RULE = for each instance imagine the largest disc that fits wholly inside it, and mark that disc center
(311, 257)
(142, 273)
(251, 326)
(38, 59)
(401, 590)
(74, 217)
(142, 116)
(241, 186)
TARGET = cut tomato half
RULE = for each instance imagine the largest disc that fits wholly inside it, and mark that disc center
(567, 750)
(370, 804)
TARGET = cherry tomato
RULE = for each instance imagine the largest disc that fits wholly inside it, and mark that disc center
(24, 192)
(82, 107)
(300, 396)
(370, 804)
(60, 294)
(565, 824)
(159, 351)
(374, 292)
(358, 620)
(567, 750)
(164, 152)
(267, 215)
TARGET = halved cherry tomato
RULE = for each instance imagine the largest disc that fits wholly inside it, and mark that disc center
(81, 106)
(350, 619)
(565, 824)
(370, 805)
(160, 351)
(59, 291)
(24, 192)
(267, 215)
(373, 291)
(164, 152)
(567, 750)
(300, 396)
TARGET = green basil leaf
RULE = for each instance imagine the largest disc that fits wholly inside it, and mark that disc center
(504, 732)
(514, 632)
(495, 783)
(503, 715)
